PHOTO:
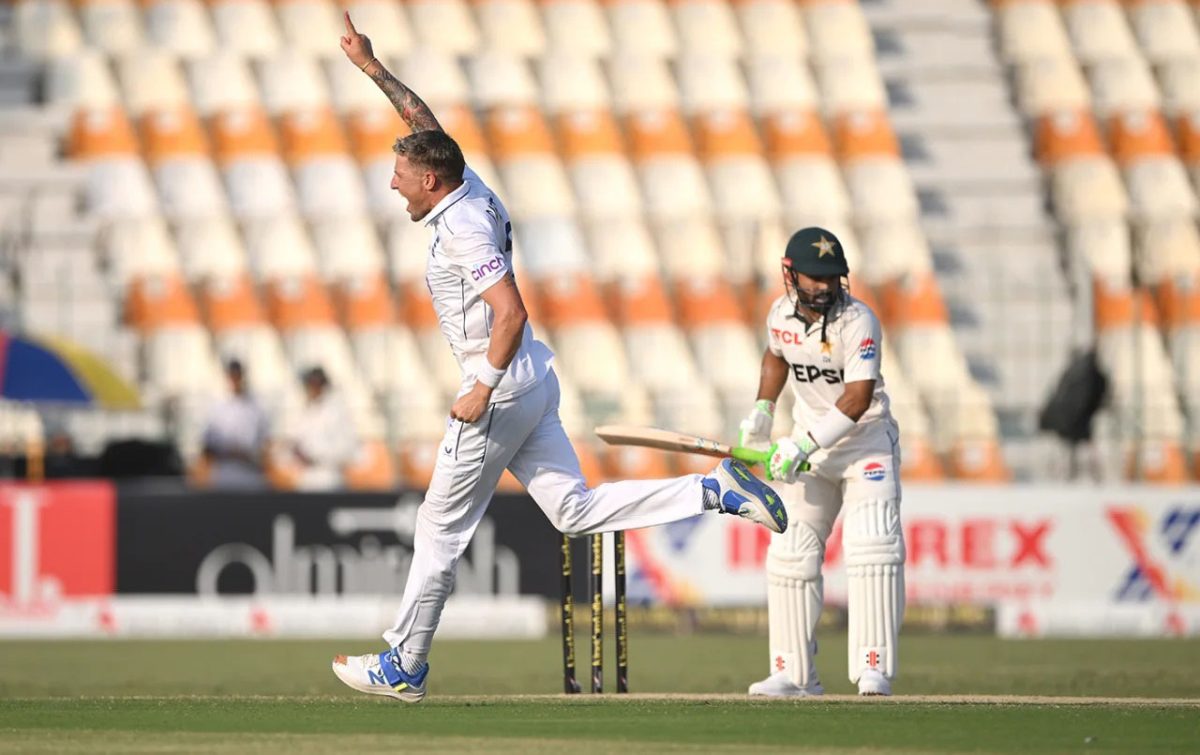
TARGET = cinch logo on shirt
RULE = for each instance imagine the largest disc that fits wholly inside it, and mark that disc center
(807, 373)
(495, 264)
(787, 336)
(866, 349)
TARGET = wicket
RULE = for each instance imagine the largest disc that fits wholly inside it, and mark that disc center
(567, 614)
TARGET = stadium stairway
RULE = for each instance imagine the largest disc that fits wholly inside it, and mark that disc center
(983, 209)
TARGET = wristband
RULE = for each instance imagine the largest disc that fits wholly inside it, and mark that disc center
(489, 375)
(830, 428)
(766, 406)
(363, 67)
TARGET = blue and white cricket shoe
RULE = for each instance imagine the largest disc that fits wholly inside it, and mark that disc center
(381, 674)
(741, 493)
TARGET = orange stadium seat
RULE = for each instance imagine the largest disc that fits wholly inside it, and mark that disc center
(366, 302)
(373, 467)
(1137, 135)
(231, 303)
(155, 302)
(247, 149)
(97, 134)
(1065, 135)
(865, 134)
(299, 302)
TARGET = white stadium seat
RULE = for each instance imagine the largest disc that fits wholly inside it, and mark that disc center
(780, 83)
(114, 26)
(308, 25)
(222, 81)
(511, 26)
(1099, 31)
(641, 28)
(247, 27)
(445, 25)
(1165, 30)
(572, 82)
(501, 79)
(838, 31)
(772, 28)
(1122, 85)
(1030, 30)
(181, 27)
(707, 27)
(576, 27)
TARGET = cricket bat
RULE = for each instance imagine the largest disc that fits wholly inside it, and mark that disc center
(652, 437)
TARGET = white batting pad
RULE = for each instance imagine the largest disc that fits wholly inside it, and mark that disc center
(795, 593)
(874, 546)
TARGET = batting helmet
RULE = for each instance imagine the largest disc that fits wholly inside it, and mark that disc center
(815, 253)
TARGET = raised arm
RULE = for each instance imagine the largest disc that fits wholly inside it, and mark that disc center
(412, 109)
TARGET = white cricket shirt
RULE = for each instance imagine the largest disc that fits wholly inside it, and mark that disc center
(470, 251)
(819, 372)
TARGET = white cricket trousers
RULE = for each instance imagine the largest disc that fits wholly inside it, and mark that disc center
(525, 436)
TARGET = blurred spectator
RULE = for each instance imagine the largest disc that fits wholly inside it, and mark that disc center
(62, 460)
(235, 436)
(325, 440)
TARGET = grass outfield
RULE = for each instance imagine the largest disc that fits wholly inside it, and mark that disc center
(242, 696)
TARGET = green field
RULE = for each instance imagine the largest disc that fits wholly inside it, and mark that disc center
(955, 693)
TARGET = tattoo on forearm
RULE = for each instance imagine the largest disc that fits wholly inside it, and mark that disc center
(411, 108)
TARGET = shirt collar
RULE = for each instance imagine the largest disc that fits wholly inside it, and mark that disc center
(448, 200)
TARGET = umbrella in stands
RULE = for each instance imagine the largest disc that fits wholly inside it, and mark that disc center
(44, 369)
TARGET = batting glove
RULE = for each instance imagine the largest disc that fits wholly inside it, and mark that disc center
(787, 457)
(755, 430)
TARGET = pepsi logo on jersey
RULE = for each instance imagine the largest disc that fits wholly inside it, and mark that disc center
(807, 373)
(495, 264)
(866, 349)
(874, 471)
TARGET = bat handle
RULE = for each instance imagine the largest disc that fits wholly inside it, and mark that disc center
(750, 456)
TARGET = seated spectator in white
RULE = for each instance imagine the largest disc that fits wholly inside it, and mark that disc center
(325, 440)
(235, 437)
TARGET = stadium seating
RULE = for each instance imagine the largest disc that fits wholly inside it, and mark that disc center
(654, 157)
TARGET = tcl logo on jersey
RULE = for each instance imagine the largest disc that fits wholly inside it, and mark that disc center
(807, 373)
(867, 349)
(56, 541)
(787, 336)
(495, 264)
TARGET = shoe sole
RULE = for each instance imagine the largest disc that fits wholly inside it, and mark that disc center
(375, 689)
(755, 491)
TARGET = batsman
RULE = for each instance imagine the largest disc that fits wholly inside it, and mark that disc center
(829, 344)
